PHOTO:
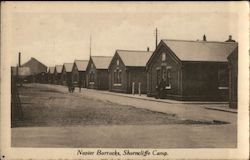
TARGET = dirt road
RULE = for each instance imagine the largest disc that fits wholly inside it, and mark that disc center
(56, 118)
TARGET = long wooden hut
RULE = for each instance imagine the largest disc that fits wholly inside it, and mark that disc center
(51, 75)
(190, 70)
(97, 72)
(58, 74)
(67, 73)
(79, 72)
(127, 71)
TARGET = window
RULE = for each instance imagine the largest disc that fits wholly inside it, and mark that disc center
(223, 78)
(117, 77)
(92, 65)
(117, 62)
(163, 57)
(164, 73)
(168, 78)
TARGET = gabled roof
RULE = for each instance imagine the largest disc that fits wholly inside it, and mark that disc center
(51, 70)
(101, 62)
(68, 67)
(81, 64)
(59, 68)
(201, 50)
(35, 66)
(32, 59)
(134, 58)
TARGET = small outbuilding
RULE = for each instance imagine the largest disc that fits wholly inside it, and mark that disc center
(127, 71)
(97, 72)
(190, 70)
(79, 72)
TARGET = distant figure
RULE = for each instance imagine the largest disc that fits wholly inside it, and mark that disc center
(160, 89)
(70, 87)
(80, 85)
(157, 91)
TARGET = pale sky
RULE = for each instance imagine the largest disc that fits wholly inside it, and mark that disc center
(55, 33)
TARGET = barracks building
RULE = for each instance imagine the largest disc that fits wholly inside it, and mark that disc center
(97, 72)
(79, 72)
(190, 70)
(128, 69)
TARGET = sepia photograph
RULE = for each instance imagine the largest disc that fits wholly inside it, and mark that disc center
(115, 80)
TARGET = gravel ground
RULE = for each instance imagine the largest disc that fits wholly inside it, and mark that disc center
(55, 118)
(48, 107)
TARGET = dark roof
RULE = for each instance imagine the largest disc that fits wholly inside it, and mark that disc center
(134, 58)
(68, 67)
(81, 64)
(201, 50)
(35, 66)
(101, 62)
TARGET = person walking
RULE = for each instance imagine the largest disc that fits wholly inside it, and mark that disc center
(162, 88)
(72, 87)
(69, 87)
(80, 85)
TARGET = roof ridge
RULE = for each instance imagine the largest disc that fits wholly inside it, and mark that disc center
(200, 41)
(133, 50)
(32, 58)
(101, 56)
(80, 60)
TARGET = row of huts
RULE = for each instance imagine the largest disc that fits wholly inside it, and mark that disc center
(191, 70)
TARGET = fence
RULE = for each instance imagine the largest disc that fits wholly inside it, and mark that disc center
(16, 108)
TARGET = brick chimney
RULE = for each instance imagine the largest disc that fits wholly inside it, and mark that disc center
(230, 39)
(148, 49)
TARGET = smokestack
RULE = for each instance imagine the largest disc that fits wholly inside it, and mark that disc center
(230, 39)
(204, 38)
(19, 59)
(156, 38)
(148, 49)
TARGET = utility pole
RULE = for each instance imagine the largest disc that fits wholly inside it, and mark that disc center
(90, 46)
(156, 38)
(19, 59)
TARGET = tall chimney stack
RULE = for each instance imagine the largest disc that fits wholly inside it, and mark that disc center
(230, 39)
(204, 38)
(156, 38)
(19, 59)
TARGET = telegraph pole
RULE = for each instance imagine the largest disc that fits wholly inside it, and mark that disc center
(19, 59)
(156, 38)
(90, 46)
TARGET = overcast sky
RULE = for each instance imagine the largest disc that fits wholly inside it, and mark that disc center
(55, 33)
